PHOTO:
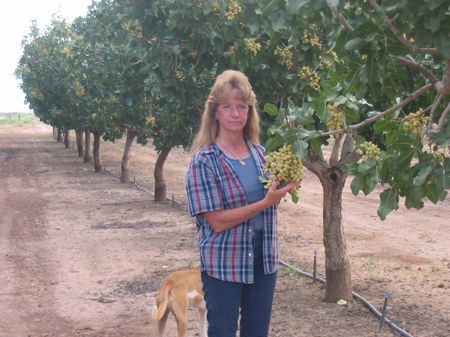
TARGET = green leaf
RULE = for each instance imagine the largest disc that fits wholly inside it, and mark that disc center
(293, 6)
(303, 133)
(300, 148)
(431, 23)
(274, 143)
(294, 197)
(279, 22)
(434, 192)
(405, 157)
(370, 181)
(367, 165)
(441, 41)
(357, 184)
(271, 7)
(333, 2)
(271, 110)
(423, 174)
(413, 197)
(316, 144)
(303, 115)
(388, 203)
(354, 43)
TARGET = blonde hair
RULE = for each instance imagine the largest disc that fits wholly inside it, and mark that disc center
(226, 83)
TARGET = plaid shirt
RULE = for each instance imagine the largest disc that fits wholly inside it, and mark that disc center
(212, 184)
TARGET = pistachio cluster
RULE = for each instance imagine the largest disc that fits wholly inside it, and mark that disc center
(150, 120)
(307, 73)
(284, 56)
(337, 118)
(310, 37)
(284, 166)
(415, 122)
(233, 10)
(252, 46)
(369, 150)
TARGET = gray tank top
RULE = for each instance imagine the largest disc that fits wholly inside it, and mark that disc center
(254, 190)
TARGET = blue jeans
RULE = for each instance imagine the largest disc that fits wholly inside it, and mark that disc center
(224, 299)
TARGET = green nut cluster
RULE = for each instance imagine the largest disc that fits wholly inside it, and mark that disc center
(310, 37)
(284, 56)
(252, 46)
(337, 118)
(234, 8)
(415, 122)
(284, 166)
(308, 74)
(369, 150)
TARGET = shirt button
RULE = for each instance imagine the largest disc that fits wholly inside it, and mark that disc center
(249, 254)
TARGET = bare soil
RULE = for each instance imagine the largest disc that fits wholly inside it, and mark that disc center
(82, 254)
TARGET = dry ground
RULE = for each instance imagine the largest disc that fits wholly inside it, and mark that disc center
(82, 254)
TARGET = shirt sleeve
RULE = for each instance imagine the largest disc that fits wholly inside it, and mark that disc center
(203, 188)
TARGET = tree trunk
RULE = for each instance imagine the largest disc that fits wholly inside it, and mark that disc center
(98, 165)
(87, 147)
(79, 138)
(125, 170)
(67, 139)
(59, 137)
(337, 265)
(160, 183)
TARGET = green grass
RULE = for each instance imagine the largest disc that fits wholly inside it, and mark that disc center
(16, 118)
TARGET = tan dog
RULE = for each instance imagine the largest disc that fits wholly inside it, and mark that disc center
(178, 290)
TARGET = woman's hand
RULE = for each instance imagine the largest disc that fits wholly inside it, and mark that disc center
(275, 194)
(221, 220)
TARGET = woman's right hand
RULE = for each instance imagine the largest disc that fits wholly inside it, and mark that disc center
(275, 194)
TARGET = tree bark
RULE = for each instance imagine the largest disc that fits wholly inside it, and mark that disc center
(337, 264)
(67, 139)
(98, 165)
(87, 147)
(160, 183)
(79, 137)
(125, 169)
(59, 137)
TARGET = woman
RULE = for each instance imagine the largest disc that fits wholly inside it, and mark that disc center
(235, 216)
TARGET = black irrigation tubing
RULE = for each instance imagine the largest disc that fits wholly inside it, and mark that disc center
(359, 297)
(304, 273)
(142, 188)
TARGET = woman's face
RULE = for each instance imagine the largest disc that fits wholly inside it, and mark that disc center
(232, 114)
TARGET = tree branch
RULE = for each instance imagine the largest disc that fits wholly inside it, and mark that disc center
(348, 154)
(436, 102)
(443, 118)
(443, 87)
(417, 66)
(316, 163)
(334, 157)
(399, 105)
(393, 28)
(341, 18)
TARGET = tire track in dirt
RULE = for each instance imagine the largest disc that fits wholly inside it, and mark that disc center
(27, 273)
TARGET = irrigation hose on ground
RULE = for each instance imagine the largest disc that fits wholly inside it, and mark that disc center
(357, 296)
(320, 279)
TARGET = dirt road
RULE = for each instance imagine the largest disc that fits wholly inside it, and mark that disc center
(82, 254)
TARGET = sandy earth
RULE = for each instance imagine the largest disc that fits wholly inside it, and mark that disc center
(82, 254)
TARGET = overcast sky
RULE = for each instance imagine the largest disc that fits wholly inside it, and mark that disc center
(15, 22)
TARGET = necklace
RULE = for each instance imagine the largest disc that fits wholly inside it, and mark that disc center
(240, 159)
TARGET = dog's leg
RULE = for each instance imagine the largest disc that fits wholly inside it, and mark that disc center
(203, 330)
(162, 323)
(180, 310)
